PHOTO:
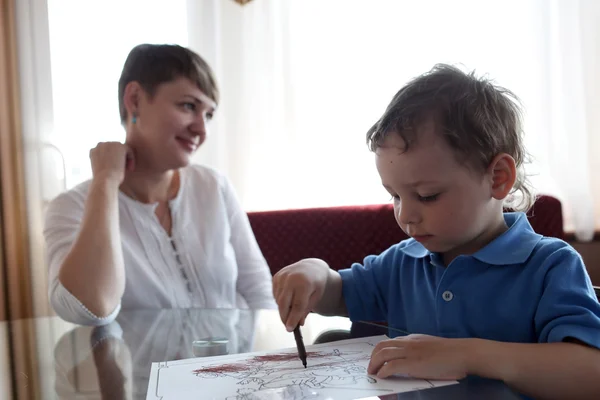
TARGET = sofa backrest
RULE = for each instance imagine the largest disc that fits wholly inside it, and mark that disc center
(344, 235)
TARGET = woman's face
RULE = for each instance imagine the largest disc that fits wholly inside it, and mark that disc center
(170, 125)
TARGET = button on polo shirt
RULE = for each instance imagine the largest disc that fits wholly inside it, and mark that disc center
(521, 287)
(447, 295)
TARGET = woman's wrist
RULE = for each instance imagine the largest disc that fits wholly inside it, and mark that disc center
(106, 181)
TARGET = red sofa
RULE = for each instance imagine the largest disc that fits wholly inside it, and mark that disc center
(344, 235)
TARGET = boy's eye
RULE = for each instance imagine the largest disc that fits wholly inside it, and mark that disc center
(189, 106)
(395, 197)
(209, 116)
(426, 199)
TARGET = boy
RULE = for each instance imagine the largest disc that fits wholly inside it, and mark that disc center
(484, 294)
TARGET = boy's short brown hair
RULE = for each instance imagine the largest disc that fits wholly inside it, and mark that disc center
(478, 119)
(153, 64)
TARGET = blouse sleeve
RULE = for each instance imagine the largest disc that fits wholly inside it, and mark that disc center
(254, 277)
(62, 221)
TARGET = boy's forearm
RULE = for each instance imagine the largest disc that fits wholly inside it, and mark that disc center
(540, 370)
(332, 303)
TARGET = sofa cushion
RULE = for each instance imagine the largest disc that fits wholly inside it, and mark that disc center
(344, 235)
(338, 235)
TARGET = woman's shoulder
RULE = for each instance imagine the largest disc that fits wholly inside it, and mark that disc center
(67, 206)
(204, 176)
(70, 198)
(206, 184)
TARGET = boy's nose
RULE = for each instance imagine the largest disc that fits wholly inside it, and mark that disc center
(408, 214)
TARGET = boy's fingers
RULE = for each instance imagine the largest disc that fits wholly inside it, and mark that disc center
(394, 367)
(384, 344)
(276, 287)
(310, 305)
(313, 301)
(303, 320)
(383, 356)
(299, 309)
(284, 301)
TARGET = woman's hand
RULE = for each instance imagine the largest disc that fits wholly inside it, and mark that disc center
(110, 160)
(421, 356)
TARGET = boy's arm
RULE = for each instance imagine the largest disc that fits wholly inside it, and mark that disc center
(332, 303)
(359, 292)
(540, 370)
(566, 362)
(366, 287)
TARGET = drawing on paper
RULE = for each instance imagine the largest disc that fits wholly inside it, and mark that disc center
(328, 370)
(335, 370)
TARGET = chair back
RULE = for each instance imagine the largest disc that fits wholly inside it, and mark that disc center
(345, 235)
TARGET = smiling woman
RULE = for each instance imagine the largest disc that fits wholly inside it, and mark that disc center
(150, 230)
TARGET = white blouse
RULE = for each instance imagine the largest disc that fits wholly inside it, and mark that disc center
(220, 264)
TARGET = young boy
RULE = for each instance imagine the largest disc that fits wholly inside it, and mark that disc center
(481, 291)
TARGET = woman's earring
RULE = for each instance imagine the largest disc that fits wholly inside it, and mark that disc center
(134, 119)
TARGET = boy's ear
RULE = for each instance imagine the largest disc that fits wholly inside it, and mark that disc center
(503, 172)
(131, 97)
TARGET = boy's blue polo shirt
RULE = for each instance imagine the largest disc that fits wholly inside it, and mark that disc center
(521, 287)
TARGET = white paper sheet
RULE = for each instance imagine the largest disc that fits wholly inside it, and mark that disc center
(335, 371)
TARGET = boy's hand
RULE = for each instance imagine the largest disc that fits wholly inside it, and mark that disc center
(297, 288)
(421, 356)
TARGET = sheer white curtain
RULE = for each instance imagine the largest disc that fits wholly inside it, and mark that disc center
(569, 121)
(70, 58)
(303, 81)
(89, 42)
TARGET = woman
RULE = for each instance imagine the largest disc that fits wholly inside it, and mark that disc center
(149, 230)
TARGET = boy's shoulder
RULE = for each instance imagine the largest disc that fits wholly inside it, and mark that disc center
(548, 251)
(551, 244)
(551, 252)
(408, 250)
